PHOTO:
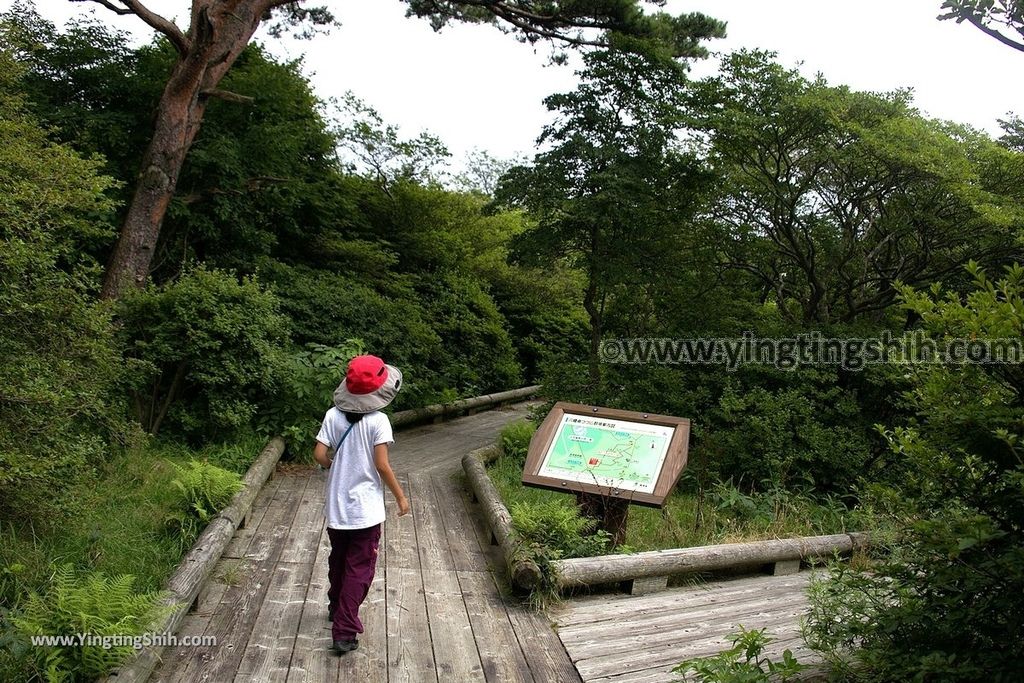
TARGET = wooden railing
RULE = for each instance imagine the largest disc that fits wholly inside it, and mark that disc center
(648, 568)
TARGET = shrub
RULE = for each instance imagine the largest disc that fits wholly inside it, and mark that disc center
(309, 377)
(59, 402)
(946, 602)
(742, 663)
(204, 489)
(72, 604)
(559, 528)
(515, 440)
(206, 350)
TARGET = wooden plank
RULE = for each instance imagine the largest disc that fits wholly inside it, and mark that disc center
(410, 653)
(629, 640)
(268, 651)
(300, 545)
(370, 661)
(455, 650)
(464, 543)
(400, 543)
(195, 624)
(312, 661)
(711, 614)
(431, 539)
(678, 599)
(500, 653)
(658, 674)
(544, 652)
(243, 537)
(233, 622)
(686, 645)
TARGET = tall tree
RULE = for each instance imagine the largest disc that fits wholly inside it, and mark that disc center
(612, 190)
(1000, 19)
(219, 30)
(831, 197)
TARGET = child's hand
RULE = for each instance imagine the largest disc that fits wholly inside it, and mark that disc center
(403, 506)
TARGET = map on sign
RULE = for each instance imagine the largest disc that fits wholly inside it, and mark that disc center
(618, 454)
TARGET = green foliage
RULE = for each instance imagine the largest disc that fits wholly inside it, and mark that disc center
(947, 598)
(205, 350)
(202, 490)
(514, 440)
(58, 379)
(744, 662)
(612, 175)
(809, 432)
(550, 531)
(616, 23)
(559, 529)
(894, 180)
(1000, 19)
(72, 604)
(381, 154)
(309, 377)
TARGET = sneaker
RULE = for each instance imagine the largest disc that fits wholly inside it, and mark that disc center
(343, 646)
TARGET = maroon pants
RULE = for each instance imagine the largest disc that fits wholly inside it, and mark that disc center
(350, 569)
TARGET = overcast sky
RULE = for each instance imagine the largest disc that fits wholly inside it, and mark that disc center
(474, 87)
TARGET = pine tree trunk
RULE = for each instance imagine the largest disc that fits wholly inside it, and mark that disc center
(179, 115)
(218, 35)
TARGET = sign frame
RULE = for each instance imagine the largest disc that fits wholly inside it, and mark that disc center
(671, 468)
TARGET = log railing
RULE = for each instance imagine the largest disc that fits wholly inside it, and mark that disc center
(185, 583)
(643, 571)
(441, 411)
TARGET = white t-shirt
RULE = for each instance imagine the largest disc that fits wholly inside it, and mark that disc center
(355, 492)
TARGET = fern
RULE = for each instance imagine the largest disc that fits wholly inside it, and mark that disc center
(93, 604)
(203, 490)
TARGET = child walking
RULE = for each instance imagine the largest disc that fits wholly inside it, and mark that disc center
(358, 435)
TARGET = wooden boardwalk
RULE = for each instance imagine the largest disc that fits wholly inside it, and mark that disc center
(436, 611)
(624, 639)
(438, 608)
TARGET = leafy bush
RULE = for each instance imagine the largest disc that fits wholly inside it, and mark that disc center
(59, 399)
(560, 529)
(742, 663)
(206, 350)
(946, 602)
(309, 377)
(72, 604)
(203, 489)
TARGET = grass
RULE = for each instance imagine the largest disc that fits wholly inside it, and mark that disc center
(720, 514)
(115, 519)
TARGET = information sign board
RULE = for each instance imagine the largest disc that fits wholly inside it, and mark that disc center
(604, 451)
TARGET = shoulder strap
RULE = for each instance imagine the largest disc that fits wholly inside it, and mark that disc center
(350, 426)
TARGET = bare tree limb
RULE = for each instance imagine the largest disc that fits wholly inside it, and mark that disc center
(228, 96)
(160, 24)
(113, 8)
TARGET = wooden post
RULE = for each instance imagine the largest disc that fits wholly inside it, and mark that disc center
(611, 514)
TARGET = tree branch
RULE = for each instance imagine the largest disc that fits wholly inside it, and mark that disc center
(154, 20)
(109, 6)
(228, 96)
(995, 34)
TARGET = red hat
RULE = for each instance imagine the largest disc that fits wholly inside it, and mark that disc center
(366, 374)
(370, 384)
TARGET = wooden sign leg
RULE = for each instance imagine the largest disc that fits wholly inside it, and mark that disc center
(611, 514)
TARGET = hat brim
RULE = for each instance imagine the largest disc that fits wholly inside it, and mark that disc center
(346, 401)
